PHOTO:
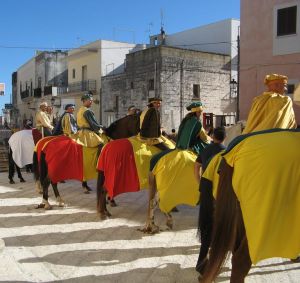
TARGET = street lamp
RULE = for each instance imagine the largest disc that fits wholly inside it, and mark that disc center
(234, 93)
(233, 88)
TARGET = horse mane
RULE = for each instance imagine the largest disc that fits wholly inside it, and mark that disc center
(125, 127)
(225, 224)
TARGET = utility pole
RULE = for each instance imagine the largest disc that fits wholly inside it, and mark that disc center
(238, 79)
(181, 90)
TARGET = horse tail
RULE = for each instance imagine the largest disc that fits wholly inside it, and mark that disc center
(35, 167)
(225, 224)
(43, 170)
(101, 199)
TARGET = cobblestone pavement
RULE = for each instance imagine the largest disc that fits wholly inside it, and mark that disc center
(71, 244)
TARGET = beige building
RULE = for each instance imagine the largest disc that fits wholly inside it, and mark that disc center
(25, 85)
(87, 64)
(60, 78)
(270, 43)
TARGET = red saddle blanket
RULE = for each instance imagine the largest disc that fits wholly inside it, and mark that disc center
(118, 164)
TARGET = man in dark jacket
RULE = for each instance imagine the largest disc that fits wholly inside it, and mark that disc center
(150, 124)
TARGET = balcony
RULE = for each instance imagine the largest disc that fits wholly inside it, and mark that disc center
(37, 92)
(54, 90)
(89, 85)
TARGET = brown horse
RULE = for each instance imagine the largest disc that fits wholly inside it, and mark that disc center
(59, 158)
(257, 200)
(123, 166)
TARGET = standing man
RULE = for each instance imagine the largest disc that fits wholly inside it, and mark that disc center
(51, 115)
(42, 121)
(206, 210)
(67, 124)
(88, 127)
(272, 109)
(150, 125)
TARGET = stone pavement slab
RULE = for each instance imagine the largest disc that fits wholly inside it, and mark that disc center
(71, 244)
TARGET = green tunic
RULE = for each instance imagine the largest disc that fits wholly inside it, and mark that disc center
(190, 137)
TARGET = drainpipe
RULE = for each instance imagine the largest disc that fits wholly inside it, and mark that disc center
(181, 90)
(238, 81)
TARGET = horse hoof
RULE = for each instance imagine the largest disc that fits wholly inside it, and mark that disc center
(11, 181)
(150, 229)
(22, 180)
(170, 224)
(113, 203)
(48, 207)
(295, 260)
(86, 191)
(41, 205)
(103, 216)
(175, 209)
(60, 201)
(87, 188)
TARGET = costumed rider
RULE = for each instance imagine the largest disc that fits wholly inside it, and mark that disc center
(67, 124)
(271, 109)
(42, 121)
(89, 129)
(191, 134)
(150, 127)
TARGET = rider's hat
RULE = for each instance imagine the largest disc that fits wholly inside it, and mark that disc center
(87, 96)
(195, 107)
(154, 99)
(69, 105)
(275, 77)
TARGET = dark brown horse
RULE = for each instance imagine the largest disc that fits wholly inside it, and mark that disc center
(260, 154)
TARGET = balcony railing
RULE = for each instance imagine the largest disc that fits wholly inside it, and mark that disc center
(47, 90)
(88, 85)
(55, 90)
(24, 94)
(37, 92)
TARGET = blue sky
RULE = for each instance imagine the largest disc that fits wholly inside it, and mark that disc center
(37, 24)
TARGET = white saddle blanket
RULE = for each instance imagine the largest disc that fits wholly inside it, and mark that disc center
(22, 146)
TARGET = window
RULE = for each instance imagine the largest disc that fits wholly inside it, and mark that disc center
(286, 21)
(196, 91)
(151, 84)
(73, 73)
(39, 82)
(290, 89)
(117, 104)
(84, 73)
(131, 85)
